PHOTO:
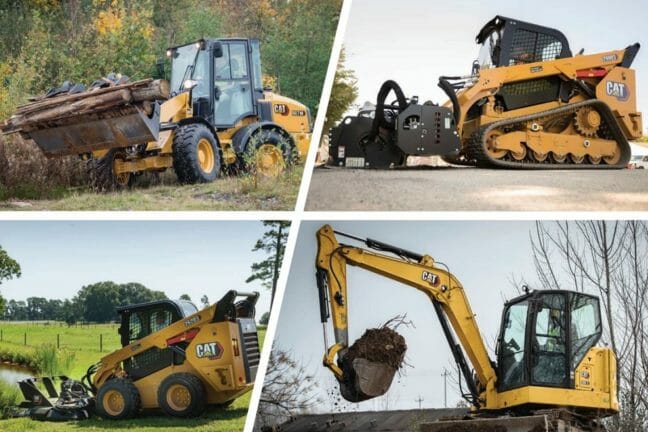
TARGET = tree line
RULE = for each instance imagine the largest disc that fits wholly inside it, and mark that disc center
(93, 303)
(44, 42)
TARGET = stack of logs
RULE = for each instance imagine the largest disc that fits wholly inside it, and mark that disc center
(37, 114)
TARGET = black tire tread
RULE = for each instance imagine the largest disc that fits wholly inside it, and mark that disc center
(198, 401)
(131, 397)
(185, 140)
(100, 172)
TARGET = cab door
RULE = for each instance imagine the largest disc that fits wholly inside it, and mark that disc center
(233, 95)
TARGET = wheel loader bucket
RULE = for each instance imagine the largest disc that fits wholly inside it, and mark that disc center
(536, 423)
(365, 380)
(123, 126)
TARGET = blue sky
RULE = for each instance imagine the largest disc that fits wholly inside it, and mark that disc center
(177, 257)
(483, 255)
(416, 41)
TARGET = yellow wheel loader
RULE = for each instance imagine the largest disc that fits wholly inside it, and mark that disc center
(548, 374)
(219, 118)
(173, 357)
(529, 103)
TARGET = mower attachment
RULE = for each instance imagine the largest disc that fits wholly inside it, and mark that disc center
(44, 402)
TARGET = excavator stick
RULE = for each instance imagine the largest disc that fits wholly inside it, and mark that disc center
(101, 118)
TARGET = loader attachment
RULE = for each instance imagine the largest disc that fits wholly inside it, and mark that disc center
(44, 402)
(122, 127)
(118, 115)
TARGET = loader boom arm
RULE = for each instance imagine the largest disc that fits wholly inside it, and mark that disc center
(414, 270)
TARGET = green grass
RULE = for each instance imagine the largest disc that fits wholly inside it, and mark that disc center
(228, 193)
(84, 342)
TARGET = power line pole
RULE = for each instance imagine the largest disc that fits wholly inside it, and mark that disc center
(445, 376)
(419, 400)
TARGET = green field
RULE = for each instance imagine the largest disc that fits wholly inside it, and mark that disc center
(84, 342)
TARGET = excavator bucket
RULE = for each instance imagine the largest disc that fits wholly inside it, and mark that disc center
(117, 115)
(365, 380)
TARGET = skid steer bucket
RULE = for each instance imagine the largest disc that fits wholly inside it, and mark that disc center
(116, 116)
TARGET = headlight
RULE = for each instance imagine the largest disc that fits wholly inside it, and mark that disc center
(189, 84)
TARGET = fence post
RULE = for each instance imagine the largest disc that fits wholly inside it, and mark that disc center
(25, 338)
(100, 342)
(58, 341)
(1, 335)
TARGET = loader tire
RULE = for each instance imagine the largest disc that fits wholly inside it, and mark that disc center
(118, 399)
(182, 395)
(269, 150)
(102, 174)
(196, 155)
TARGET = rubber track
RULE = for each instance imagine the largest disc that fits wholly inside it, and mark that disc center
(477, 143)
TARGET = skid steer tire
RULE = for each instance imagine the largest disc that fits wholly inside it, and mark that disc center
(182, 395)
(267, 139)
(196, 155)
(102, 175)
(118, 399)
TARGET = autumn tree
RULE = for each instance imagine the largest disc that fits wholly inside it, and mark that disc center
(343, 93)
(273, 243)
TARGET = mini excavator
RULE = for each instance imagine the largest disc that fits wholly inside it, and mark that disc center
(528, 103)
(548, 372)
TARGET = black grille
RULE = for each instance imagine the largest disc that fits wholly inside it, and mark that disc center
(528, 93)
(148, 362)
(531, 47)
(251, 353)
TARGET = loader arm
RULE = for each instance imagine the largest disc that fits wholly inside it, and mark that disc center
(414, 270)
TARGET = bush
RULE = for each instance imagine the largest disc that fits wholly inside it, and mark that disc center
(9, 397)
(26, 173)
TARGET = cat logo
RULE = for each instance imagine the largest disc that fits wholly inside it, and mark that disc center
(430, 277)
(213, 350)
(281, 109)
(617, 90)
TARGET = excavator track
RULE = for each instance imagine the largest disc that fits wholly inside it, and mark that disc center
(477, 144)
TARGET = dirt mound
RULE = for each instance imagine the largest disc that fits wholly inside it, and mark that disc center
(381, 345)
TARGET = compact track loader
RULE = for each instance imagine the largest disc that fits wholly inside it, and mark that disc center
(219, 118)
(528, 103)
(548, 375)
(173, 357)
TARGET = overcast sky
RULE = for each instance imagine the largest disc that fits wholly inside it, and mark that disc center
(176, 257)
(415, 41)
(483, 255)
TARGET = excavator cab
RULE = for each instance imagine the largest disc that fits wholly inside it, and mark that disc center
(544, 337)
(507, 42)
(224, 76)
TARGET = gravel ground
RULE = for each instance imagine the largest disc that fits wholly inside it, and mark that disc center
(465, 189)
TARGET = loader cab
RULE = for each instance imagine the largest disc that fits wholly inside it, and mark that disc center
(544, 336)
(509, 42)
(223, 75)
(140, 320)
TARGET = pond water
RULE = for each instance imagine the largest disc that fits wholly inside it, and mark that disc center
(12, 373)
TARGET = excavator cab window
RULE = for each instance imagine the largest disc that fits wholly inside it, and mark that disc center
(544, 337)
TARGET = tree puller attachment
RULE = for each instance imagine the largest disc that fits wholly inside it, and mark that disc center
(173, 357)
(549, 373)
(528, 104)
(215, 116)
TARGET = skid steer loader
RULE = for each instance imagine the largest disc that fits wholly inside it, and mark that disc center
(219, 118)
(173, 357)
(528, 103)
(549, 374)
